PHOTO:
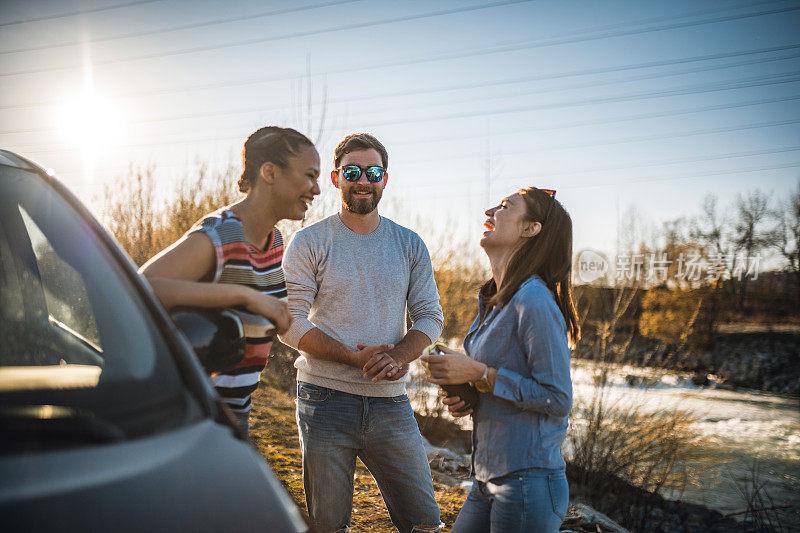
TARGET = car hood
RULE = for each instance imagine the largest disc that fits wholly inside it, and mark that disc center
(196, 478)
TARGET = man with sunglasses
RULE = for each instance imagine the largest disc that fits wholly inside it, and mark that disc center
(351, 277)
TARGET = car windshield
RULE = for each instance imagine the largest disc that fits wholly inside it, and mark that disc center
(76, 340)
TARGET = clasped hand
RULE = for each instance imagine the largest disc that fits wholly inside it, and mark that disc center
(377, 364)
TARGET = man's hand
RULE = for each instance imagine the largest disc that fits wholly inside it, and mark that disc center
(383, 366)
(403, 370)
(365, 353)
(454, 404)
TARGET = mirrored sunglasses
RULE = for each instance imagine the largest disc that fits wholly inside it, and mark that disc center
(353, 173)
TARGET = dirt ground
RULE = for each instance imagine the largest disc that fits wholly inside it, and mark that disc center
(274, 432)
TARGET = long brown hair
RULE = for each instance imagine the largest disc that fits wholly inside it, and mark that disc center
(547, 254)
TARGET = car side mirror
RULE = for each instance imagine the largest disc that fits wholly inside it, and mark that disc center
(218, 335)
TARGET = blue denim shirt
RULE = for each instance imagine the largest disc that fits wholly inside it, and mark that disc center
(524, 421)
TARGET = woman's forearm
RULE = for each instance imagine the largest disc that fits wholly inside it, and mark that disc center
(179, 292)
(552, 397)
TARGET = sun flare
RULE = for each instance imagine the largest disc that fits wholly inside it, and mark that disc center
(91, 122)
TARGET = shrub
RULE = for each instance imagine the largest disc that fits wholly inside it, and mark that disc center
(145, 223)
(675, 317)
(656, 451)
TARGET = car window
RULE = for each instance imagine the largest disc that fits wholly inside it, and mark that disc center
(64, 289)
(74, 332)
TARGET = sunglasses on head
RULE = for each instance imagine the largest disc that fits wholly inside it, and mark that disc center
(353, 173)
(552, 194)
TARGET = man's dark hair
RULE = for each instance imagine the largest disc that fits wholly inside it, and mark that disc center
(359, 141)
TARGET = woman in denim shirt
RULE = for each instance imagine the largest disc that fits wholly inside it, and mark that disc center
(518, 353)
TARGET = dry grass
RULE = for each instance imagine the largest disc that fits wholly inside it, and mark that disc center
(652, 450)
(658, 452)
(144, 223)
(761, 512)
(274, 432)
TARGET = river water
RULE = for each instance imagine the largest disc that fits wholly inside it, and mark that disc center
(744, 431)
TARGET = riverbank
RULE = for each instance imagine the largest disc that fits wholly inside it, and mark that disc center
(274, 433)
(589, 510)
(758, 359)
(750, 435)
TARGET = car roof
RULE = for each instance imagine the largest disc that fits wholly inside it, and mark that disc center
(10, 159)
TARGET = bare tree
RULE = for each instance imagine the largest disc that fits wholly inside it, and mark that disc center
(677, 243)
(786, 235)
(750, 236)
(709, 228)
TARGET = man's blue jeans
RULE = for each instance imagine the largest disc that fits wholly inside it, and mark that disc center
(335, 428)
(532, 501)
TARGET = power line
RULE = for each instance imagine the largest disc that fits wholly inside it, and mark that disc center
(532, 178)
(575, 39)
(452, 88)
(628, 118)
(686, 176)
(721, 85)
(558, 75)
(216, 22)
(492, 50)
(591, 101)
(697, 89)
(628, 140)
(527, 129)
(631, 140)
(707, 131)
(181, 27)
(259, 40)
(679, 161)
(81, 12)
(544, 77)
(665, 162)
(669, 177)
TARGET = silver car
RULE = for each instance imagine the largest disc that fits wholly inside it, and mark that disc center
(107, 420)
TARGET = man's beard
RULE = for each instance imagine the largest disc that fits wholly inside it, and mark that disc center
(360, 206)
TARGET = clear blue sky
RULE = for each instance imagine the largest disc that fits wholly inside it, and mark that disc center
(615, 103)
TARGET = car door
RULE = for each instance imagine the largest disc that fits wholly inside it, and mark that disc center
(106, 420)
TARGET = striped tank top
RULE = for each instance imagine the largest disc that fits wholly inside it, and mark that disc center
(239, 262)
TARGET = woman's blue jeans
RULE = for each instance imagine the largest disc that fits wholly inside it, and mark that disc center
(532, 500)
(335, 429)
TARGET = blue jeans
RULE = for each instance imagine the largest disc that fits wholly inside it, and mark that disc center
(532, 500)
(335, 428)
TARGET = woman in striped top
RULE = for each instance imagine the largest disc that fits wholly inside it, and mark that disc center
(232, 257)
